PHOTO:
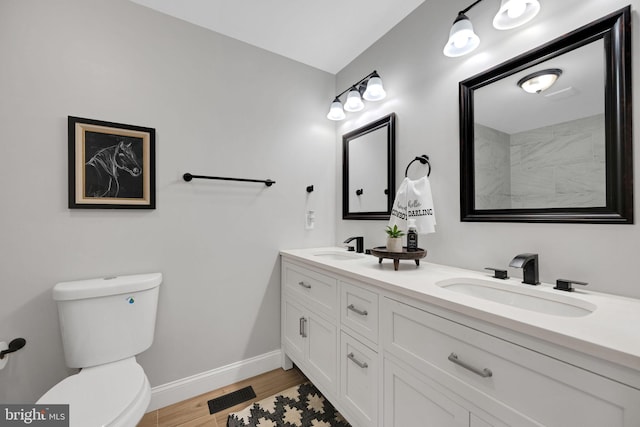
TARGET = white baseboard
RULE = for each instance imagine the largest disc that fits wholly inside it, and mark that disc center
(186, 388)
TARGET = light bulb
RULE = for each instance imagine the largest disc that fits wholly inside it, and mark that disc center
(513, 13)
(462, 39)
(516, 9)
(375, 91)
(540, 80)
(335, 111)
(354, 101)
(538, 84)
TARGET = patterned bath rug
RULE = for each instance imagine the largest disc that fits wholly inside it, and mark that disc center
(299, 406)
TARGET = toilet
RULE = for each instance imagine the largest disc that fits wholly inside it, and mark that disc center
(104, 324)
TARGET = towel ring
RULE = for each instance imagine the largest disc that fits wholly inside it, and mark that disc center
(424, 159)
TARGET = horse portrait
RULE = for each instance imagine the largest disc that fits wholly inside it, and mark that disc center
(113, 169)
(111, 165)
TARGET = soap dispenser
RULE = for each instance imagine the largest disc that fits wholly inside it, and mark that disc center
(412, 236)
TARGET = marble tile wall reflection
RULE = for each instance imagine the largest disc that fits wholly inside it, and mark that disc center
(492, 160)
(562, 165)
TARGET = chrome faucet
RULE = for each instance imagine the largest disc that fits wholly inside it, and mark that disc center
(359, 244)
(529, 265)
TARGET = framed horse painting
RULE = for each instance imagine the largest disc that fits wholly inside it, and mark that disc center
(111, 165)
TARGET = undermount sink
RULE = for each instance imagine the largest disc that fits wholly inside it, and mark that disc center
(339, 255)
(527, 298)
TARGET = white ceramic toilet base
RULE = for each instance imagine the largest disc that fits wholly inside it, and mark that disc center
(115, 394)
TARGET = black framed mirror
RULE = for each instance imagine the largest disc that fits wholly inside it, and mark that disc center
(368, 170)
(561, 154)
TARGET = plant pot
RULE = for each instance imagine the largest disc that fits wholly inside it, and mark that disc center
(394, 244)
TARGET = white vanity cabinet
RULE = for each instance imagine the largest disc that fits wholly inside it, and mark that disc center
(309, 332)
(386, 359)
(518, 386)
(359, 358)
(330, 331)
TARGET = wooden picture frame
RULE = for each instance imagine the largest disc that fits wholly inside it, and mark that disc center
(111, 165)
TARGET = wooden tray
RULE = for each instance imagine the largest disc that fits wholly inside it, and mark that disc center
(381, 252)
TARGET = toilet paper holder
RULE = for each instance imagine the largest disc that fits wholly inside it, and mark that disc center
(14, 346)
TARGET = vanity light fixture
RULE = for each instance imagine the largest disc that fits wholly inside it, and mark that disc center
(462, 39)
(370, 88)
(540, 80)
(512, 14)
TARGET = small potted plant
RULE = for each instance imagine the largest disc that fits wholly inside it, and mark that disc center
(394, 239)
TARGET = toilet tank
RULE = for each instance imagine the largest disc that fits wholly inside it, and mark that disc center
(107, 319)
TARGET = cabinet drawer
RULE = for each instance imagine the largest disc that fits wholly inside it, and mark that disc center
(411, 402)
(317, 289)
(359, 380)
(359, 310)
(477, 365)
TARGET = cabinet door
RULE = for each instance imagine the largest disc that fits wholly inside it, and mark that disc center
(292, 336)
(359, 379)
(410, 402)
(322, 351)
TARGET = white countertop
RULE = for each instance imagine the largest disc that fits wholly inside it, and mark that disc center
(611, 332)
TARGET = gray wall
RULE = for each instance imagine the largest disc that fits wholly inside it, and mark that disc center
(219, 107)
(422, 87)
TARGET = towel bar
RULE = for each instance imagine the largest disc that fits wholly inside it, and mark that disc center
(424, 159)
(188, 177)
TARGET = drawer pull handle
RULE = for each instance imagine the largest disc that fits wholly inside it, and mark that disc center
(303, 321)
(304, 285)
(363, 365)
(356, 310)
(484, 373)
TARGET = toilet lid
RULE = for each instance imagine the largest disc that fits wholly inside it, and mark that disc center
(98, 395)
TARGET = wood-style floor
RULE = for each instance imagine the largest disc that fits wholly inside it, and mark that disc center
(195, 411)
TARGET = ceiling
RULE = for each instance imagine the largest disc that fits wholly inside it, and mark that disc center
(326, 34)
(578, 93)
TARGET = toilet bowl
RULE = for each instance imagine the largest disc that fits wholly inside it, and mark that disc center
(104, 324)
(115, 395)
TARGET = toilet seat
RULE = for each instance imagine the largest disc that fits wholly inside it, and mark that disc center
(113, 394)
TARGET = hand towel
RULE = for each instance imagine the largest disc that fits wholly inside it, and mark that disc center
(414, 200)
